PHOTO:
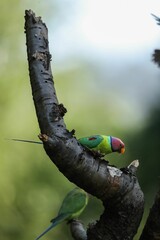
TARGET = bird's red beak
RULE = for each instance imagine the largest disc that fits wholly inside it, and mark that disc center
(122, 150)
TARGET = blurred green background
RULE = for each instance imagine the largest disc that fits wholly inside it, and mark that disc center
(108, 88)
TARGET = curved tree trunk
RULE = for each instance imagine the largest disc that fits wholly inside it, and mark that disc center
(119, 190)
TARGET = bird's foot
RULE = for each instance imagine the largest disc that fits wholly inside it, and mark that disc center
(97, 154)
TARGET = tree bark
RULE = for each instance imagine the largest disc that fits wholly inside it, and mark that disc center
(77, 230)
(119, 190)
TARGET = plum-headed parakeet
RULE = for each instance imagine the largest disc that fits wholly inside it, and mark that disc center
(103, 144)
(100, 143)
(72, 206)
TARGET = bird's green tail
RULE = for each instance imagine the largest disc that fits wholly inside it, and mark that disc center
(47, 230)
(60, 218)
(23, 140)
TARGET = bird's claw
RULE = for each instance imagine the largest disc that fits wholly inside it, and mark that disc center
(97, 154)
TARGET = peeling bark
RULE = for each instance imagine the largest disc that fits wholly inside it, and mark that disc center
(119, 190)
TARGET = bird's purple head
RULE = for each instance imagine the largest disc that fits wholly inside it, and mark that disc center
(117, 145)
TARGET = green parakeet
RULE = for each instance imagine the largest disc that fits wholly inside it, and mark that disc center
(103, 144)
(100, 143)
(72, 206)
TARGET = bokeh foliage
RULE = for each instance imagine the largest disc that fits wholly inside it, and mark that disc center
(31, 187)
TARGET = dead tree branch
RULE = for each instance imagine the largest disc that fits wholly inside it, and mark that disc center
(119, 190)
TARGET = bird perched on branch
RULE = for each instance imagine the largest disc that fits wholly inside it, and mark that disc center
(98, 143)
(72, 206)
(103, 144)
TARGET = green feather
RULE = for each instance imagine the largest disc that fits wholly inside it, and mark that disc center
(72, 206)
(99, 143)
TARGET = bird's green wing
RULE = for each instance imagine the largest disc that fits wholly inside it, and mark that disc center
(74, 203)
(72, 206)
(91, 142)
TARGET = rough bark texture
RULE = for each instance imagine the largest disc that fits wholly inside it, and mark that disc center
(119, 190)
(77, 230)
